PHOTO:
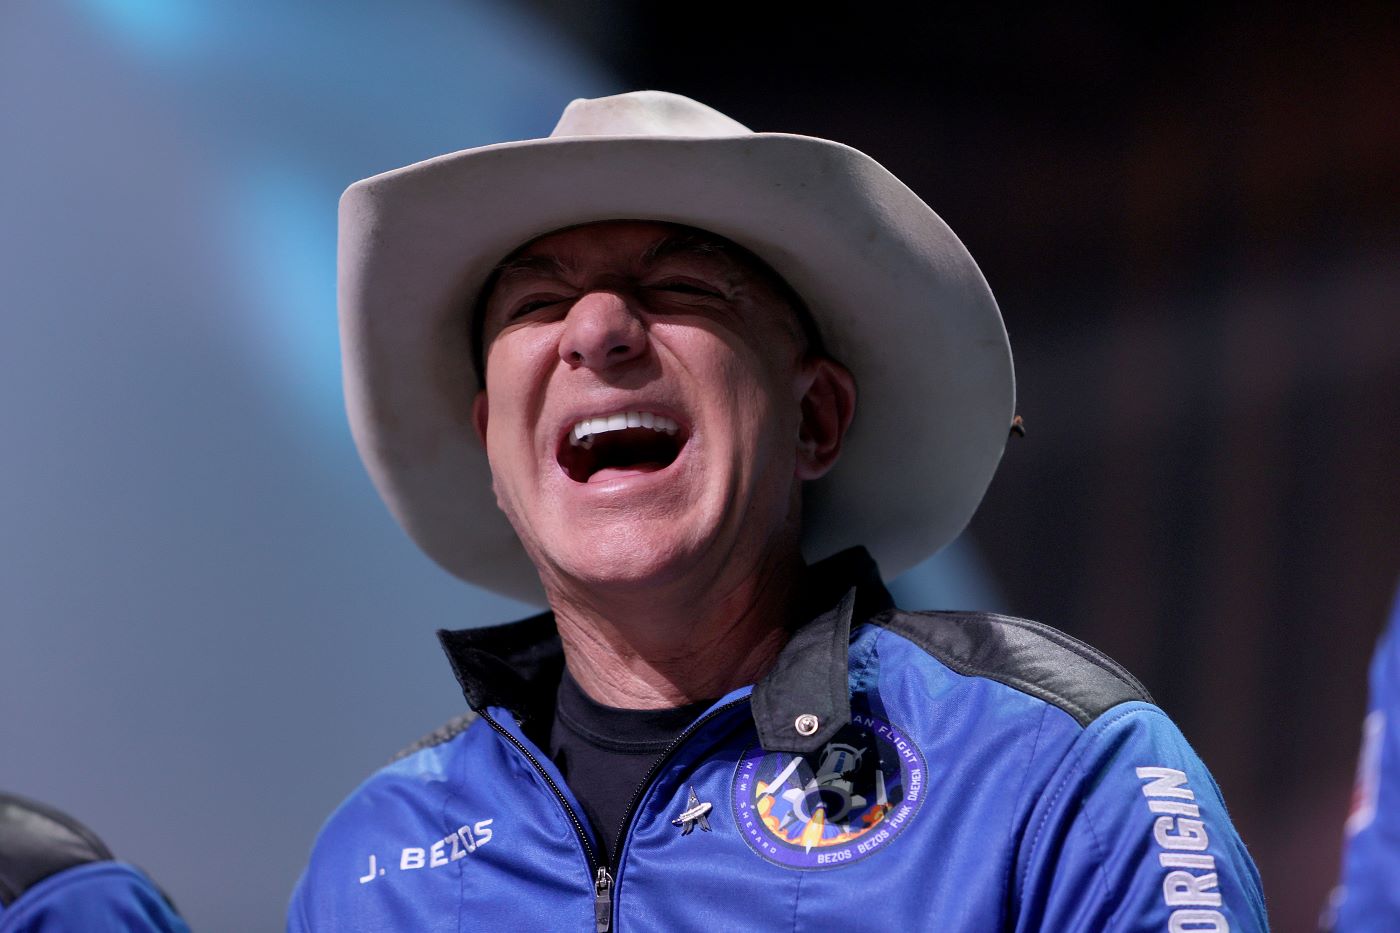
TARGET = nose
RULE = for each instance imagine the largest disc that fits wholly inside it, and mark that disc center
(600, 331)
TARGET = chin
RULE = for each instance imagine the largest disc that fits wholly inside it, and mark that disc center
(630, 555)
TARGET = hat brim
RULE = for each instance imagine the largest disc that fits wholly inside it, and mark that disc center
(898, 299)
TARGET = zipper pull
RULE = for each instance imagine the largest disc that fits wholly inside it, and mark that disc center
(602, 899)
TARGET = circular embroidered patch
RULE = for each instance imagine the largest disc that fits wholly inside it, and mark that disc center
(838, 805)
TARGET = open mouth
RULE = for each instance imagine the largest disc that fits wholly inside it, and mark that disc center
(623, 442)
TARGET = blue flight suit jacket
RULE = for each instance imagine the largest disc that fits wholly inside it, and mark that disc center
(56, 876)
(894, 771)
(1369, 898)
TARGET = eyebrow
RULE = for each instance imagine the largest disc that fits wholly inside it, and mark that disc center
(528, 265)
(686, 244)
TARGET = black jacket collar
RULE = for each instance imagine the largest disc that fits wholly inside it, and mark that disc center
(518, 665)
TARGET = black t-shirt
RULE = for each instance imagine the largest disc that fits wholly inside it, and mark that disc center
(606, 752)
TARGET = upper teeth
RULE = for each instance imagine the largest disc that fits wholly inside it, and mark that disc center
(584, 432)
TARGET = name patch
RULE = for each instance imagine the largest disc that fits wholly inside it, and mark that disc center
(465, 841)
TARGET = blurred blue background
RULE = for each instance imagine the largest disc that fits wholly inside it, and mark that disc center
(212, 629)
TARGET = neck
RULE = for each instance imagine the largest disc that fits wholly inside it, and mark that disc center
(694, 642)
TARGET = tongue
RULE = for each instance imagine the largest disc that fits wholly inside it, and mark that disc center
(606, 473)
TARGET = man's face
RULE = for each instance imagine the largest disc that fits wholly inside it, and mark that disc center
(640, 324)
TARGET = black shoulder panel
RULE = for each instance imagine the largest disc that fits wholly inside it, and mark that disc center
(444, 733)
(1031, 657)
(37, 841)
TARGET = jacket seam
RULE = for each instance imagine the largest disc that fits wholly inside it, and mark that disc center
(1060, 639)
(963, 665)
(1075, 767)
(797, 901)
(1019, 683)
(1010, 872)
(1102, 852)
(443, 824)
(440, 736)
(1083, 649)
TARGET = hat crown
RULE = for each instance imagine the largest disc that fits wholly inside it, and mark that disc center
(645, 113)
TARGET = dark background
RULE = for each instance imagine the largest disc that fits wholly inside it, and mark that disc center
(1189, 219)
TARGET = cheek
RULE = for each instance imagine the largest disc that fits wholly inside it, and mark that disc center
(517, 371)
(761, 417)
(521, 356)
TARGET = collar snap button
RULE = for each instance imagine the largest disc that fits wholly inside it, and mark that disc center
(806, 724)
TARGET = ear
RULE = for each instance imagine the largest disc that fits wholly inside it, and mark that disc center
(828, 404)
(479, 415)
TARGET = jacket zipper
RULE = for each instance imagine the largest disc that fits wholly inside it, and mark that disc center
(602, 877)
(604, 916)
(594, 866)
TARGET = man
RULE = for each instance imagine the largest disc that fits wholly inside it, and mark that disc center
(1368, 898)
(57, 876)
(616, 371)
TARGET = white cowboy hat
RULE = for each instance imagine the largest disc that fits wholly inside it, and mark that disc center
(895, 294)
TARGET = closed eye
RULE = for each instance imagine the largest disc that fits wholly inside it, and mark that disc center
(530, 307)
(677, 288)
